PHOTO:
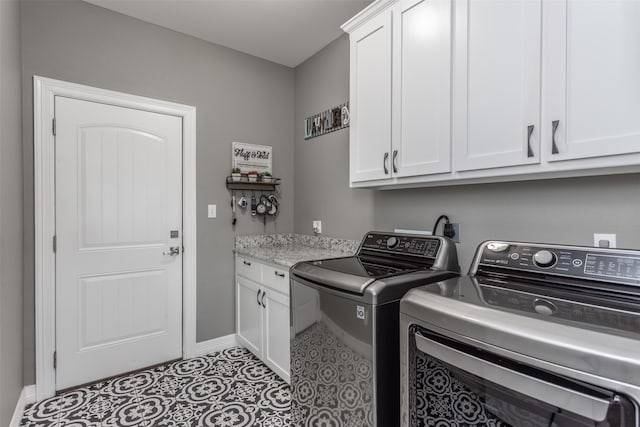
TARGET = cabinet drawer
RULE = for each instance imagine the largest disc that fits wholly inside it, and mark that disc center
(276, 278)
(249, 268)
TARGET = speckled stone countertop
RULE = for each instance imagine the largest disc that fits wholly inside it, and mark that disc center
(288, 249)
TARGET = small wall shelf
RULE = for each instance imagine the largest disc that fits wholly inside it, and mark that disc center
(244, 184)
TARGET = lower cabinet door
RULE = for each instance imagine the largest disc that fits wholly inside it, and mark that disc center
(276, 332)
(249, 312)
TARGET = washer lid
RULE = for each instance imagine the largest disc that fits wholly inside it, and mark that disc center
(534, 325)
(349, 274)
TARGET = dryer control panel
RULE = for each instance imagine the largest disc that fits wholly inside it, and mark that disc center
(611, 265)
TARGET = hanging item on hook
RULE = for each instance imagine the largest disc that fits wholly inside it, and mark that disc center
(254, 204)
(233, 208)
(273, 201)
(261, 207)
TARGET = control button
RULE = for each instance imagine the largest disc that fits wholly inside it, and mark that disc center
(392, 242)
(514, 256)
(544, 258)
(577, 262)
(544, 307)
(497, 246)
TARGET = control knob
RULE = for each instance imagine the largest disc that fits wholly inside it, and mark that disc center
(544, 258)
(392, 242)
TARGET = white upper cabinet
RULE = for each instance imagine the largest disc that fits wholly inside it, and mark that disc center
(591, 78)
(421, 141)
(497, 83)
(463, 91)
(401, 91)
(370, 104)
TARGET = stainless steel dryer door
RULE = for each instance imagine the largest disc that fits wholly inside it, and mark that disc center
(467, 386)
(331, 358)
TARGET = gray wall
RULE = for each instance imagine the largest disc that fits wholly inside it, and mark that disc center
(10, 211)
(238, 98)
(554, 211)
(322, 163)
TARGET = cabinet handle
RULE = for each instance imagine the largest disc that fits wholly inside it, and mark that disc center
(384, 163)
(258, 297)
(279, 274)
(395, 161)
(529, 132)
(246, 263)
(554, 128)
(263, 295)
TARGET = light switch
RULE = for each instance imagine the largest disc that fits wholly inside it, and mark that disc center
(211, 211)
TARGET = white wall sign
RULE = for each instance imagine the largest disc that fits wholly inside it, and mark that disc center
(250, 157)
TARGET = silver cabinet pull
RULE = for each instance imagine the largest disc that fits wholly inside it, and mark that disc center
(384, 163)
(554, 128)
(258, 297)
(173, 251)
(529, 132)
(246, 263)
(279, 274)
(591, 407)
(395, 161)
(263, 295)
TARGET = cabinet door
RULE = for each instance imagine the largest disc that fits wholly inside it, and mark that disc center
(591, 79)
(370, 94)
(422, 88)
(249, 315)
(276, 332)
(497, 83)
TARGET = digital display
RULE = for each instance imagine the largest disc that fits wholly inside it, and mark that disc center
(612, 266)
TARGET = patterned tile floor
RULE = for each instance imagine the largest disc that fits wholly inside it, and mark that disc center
(227, 388)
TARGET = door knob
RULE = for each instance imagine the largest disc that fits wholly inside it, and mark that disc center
(173, 251)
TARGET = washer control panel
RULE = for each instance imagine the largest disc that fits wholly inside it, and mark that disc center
(587, 263)
(402, 244)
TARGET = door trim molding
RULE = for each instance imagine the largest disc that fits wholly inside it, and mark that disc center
(44, 91)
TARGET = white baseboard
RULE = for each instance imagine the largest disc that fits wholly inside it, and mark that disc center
(216, 344)
(30, 394)
(27, 396)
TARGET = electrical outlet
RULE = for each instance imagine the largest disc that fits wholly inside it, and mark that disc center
(317, 226)
(602, 238)
(456, 228)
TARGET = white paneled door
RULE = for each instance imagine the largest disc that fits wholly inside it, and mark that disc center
(119, 240)
(594, 113)
(422, 91)
(497, 83)
(370, 93)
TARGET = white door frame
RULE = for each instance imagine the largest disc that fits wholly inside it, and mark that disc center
(44, 92)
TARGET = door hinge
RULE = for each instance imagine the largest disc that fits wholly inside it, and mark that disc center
(53, 126)
(55, 360)
(183, 250)
(55, 243)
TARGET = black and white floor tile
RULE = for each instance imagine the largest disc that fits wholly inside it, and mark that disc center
(230, 388)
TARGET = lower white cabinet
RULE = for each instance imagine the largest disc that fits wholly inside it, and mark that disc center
(275, 351)
(249, 315)
(262, 314)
